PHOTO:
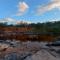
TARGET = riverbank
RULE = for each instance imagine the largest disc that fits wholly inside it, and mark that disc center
(27, 36)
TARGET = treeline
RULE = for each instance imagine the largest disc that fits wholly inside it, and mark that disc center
(37, 27)
(46, 27)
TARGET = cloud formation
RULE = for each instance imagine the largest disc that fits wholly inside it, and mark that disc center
(13, 21)
(22, 8)
(53, 4)
(53, 20)
(8, 20)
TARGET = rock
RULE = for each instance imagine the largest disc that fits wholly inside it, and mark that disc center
(12, 56)
(3, 46)
(42, 55)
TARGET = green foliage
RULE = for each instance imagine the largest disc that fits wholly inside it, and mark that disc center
(38, 27)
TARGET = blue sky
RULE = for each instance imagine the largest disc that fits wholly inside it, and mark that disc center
(30, 10)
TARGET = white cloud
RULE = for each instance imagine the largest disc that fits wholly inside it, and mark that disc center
(13, 21)
(55, 20)
(8, 20)
(22, 8)
(53, 4)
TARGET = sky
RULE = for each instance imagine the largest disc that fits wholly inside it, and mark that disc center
(13, 11)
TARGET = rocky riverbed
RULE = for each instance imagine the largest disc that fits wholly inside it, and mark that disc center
(17, 50)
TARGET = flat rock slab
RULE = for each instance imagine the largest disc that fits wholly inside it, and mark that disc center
(42, 55)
